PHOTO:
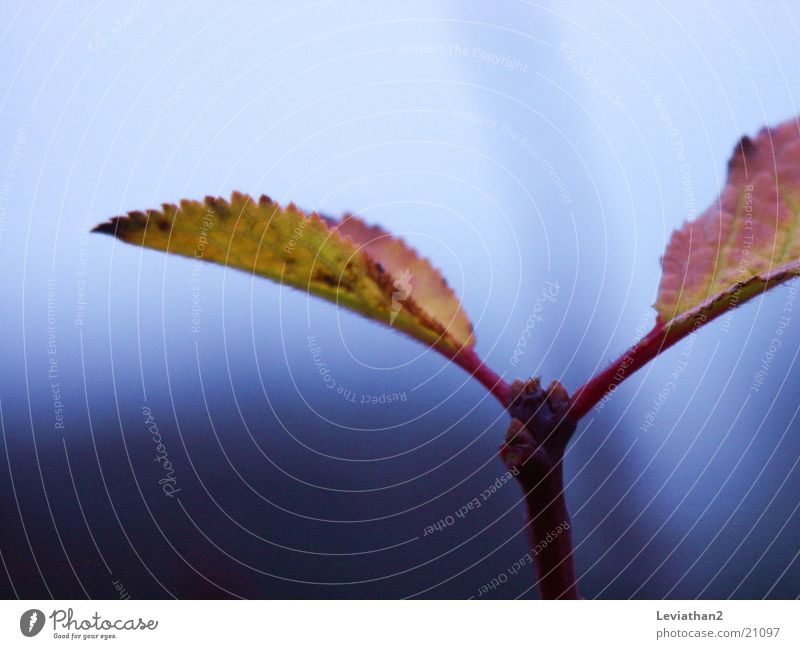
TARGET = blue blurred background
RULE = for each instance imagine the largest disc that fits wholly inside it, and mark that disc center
(519, 145)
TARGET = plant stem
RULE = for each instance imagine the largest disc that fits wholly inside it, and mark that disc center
(658, 339)
(543, 422)
(537, 436)
(491, 380)
(550, 532)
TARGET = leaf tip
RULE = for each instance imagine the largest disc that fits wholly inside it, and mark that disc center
(108, 227)
(745, 148)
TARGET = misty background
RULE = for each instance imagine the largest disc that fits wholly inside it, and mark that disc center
(518, 145)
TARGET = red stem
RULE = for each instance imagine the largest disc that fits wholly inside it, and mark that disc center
(551, 533)
(544, 491)
(656, 341)
(537, 436)
(491, 380)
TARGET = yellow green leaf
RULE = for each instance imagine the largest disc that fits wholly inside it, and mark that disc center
(347, 262)
(746, 242)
